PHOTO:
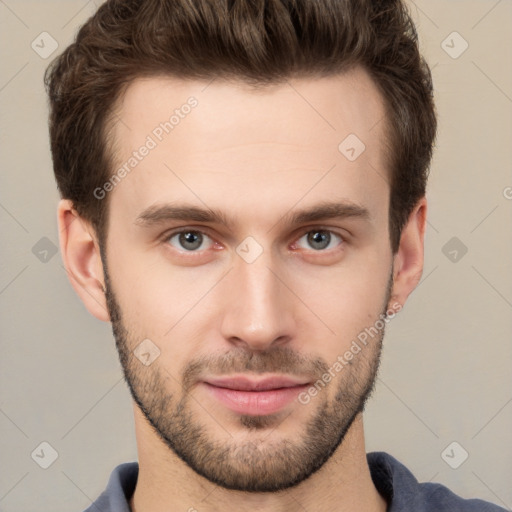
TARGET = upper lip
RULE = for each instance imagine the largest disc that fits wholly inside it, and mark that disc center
(245, 383)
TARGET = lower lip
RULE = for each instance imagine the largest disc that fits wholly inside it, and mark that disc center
(255, 403)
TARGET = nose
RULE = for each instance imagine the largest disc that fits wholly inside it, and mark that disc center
(258, 307)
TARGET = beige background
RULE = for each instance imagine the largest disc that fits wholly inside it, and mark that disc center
(446, 374)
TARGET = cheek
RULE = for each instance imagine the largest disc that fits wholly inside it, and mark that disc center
(350, 300)
(148, 290)
(163, 304)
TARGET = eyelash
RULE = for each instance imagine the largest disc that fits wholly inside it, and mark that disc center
(166, 238)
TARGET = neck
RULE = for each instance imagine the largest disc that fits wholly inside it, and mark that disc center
(166, 483)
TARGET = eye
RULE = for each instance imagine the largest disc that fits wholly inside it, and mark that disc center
(188, 240)
(195, 241)
(321, 239)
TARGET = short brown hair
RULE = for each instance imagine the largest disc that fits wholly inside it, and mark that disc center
(257, 41)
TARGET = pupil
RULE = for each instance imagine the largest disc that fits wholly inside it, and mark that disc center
(190, 238)
(319, 237)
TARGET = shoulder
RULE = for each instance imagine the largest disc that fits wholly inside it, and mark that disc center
(120, 487)
(404, 493)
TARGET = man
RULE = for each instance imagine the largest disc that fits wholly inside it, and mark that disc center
(243, 191)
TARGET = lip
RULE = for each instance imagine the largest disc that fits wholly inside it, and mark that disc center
(244, 383)
(255, 397)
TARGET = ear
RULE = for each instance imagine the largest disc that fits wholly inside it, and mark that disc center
(408, 260)
(82, 260)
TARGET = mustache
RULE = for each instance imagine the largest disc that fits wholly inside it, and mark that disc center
(276, 360)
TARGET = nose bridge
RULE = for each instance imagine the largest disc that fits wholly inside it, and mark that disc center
(257, 310)
(260, 284)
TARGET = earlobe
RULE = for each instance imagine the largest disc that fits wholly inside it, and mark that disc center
(82, 260)
(408, 261)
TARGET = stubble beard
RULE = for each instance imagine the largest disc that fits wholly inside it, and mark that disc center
(266, 462)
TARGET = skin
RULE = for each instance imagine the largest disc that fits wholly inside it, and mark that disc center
(256, 156)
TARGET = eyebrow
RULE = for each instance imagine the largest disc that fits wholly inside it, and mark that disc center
(158, 214)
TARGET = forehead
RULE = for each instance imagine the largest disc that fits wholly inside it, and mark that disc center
(207, 141)
(349, 101)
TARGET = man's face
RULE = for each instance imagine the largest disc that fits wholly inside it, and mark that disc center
(248, 316)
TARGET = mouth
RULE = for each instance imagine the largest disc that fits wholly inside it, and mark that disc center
(255, 396)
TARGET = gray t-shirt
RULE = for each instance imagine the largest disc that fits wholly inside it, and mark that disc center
(391, 478)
